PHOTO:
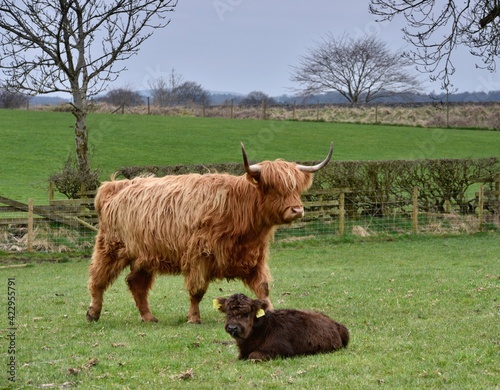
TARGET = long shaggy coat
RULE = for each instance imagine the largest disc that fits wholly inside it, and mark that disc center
(204, 227)
(263, 334)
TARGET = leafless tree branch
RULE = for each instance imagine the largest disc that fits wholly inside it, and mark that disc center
(73, 46)
(436, 28)
(361, 69)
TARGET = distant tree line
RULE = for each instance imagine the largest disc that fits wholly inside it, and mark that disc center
(10, 99)
(127, 97)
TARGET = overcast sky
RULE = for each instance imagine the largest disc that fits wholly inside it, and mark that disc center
(247, 45)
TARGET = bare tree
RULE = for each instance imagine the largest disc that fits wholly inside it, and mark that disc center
(360, 69)
(9, 99)
(160, 92)
(175, 92)
(125, 97)
(256, 97)
(73, 46)
(436, 28)
(190, 92)
(161, 89)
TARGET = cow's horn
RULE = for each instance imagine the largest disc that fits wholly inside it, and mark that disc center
(317, 167)
(250, 169)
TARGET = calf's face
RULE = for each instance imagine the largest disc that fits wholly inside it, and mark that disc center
(241, 314)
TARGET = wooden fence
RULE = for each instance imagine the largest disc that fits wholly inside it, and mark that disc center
(321, 206)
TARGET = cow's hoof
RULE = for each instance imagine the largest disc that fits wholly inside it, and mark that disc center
(194, 321)
(149, 318)
(91, 318)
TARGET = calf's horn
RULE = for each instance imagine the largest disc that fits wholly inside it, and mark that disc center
(317, 167)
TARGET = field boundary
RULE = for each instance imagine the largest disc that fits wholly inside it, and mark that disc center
(327, 211)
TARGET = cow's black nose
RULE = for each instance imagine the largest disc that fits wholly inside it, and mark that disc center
(232, 329)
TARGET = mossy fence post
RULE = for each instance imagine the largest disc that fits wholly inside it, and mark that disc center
(480, 207)
(30, 225)
(414, 214)
(51, 191)
(341, 213)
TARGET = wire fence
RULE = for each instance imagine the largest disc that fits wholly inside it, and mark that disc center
(453, 114)
(334, 213)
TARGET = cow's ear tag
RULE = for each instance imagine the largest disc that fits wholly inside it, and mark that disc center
(260, 313)
(217, 304)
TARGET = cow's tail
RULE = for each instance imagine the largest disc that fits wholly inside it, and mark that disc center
(344, 334)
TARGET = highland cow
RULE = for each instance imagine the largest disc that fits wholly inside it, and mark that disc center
(205, 227)
(263, 334)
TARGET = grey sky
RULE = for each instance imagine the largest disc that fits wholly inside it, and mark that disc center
(246, 45)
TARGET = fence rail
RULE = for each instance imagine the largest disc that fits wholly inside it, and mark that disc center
(72, 224)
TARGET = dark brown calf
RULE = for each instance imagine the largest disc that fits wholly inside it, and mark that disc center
(264, 335)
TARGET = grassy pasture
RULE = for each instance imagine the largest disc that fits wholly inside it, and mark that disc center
(34, 144)
(422, 312)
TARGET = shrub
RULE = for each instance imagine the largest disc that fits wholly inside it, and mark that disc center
(375, 185)
(69, 181)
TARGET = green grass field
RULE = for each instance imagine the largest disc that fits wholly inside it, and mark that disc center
(422, 312)
(35, 144)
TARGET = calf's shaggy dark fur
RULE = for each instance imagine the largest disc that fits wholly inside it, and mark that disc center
(264, 335)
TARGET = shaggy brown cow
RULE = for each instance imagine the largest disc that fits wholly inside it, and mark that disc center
(205, 227)
(263, 334)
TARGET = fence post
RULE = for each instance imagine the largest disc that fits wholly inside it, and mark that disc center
(232, 108)
(30, 225)
(294, 107)
(414, 214)
(341, 213)
(51, 191)
(480, 207)
(497, 186)
(376, 113)
(263, 109)
(83, 194)
(149, 107)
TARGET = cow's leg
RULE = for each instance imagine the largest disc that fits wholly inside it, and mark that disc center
(107, 263)
(260, 355)
(196, 284)
(140, 282)
(258, 281)
(195, 298)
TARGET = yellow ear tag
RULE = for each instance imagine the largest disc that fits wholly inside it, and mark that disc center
(260, 313)
(216, 303)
